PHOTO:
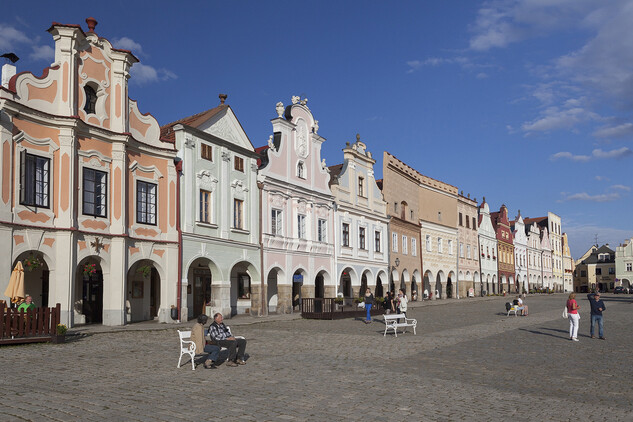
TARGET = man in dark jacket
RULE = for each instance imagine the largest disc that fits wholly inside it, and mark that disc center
(597, 306)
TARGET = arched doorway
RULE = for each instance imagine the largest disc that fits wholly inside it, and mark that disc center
(438, 286)
(449, 287)
(90, 287)
(143, 292)
(363, 284)
(297, 283)
(414, 288)
(345, 285)
(243, 275)
(428, 291)
(36, 277)
(200, 280)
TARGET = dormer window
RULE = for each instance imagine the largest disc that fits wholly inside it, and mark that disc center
(91, 99)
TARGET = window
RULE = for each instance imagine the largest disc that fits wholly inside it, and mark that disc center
(205, 206)
(428, 243)
(275, 222)
(207, 153)
(238, 163)
(94, 192)
(361, 238)
(468, 254)
(345, 234)
(598, 271)
(403, 210)
(377, 242)
(461, 250)
(301, 226)
(629, 266)
(91, 99)
(467, 222)
(301, 173)
(394, 242)
(322, 230)
(145, 202)
(450, 247)
(405, 244)
(474, 224)
(238, 212)
(611, 270)
(583, 273)
(34, 180)
(361, 187)
(460, 219)
(414, 247)
(439, 244)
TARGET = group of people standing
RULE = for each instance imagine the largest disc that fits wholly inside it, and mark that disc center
(597, 307)
(391, 303)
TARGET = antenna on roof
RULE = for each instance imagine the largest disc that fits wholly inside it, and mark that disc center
(11, 57)
(596, 239)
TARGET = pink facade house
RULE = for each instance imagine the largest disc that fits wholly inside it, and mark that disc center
(297, 211)
(88, 187)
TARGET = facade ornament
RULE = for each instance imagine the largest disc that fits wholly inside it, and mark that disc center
(315, 128)
(295, 99)
(280, 109)
(323, 165)
(304, 101)
(226, 156)
(97, 244)
(271, 145)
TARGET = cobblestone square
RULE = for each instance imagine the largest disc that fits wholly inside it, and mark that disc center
(468, 361)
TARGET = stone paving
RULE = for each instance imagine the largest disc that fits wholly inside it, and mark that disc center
(468, 362)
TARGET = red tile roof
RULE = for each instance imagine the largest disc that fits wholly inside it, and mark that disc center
(167, 132)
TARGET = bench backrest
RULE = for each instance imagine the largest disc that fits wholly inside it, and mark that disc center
(394, 316)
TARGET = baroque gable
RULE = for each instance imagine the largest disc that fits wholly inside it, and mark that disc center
(226, 127)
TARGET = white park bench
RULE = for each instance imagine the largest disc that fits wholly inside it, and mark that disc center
(188, 347)
(391, 323)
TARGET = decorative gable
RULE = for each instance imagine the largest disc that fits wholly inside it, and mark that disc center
(225, 126)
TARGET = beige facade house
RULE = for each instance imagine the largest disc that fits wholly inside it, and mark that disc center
(568, 266)
(468, 265)
(399, 187)
(595, 270)
(88, 199)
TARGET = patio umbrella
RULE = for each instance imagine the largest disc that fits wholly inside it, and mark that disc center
(15, 289)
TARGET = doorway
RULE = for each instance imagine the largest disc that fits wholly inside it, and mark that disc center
(92, 295)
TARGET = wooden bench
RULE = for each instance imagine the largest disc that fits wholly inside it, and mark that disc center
(391, 323)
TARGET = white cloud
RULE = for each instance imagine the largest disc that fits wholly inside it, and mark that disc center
(621, 187)
(553, 118)
(602, 178)
(624, 130)
(437, 61)
(126, 43)
(10, 38)
(143, 74)
(581, 237)
(584, 196)
(42, 52)
(596, 154)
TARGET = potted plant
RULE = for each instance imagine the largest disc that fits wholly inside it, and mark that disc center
(90, 269)
(146, 270)
(60, 334)
(31, 263)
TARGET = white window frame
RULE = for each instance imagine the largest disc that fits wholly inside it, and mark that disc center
(414, 247)
(394, 242)
(405, 245)
(276, 222)
(301, 226)
(429, 247)
(322, 230)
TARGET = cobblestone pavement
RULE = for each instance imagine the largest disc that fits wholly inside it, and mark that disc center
(468, 361)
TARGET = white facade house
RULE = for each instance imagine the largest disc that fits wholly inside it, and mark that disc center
(534, 256)
(297, 211)
(219, 214)
(546, 259)
(568, 266)
(487, 250)
(361, 223)
(520, 252)
(555, 238)
(624, 264)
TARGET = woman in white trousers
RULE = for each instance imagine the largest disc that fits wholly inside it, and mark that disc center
(573, 316)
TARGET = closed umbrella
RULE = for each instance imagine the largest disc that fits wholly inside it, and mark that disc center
(15, 289)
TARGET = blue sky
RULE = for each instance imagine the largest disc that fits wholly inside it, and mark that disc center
(527, 103)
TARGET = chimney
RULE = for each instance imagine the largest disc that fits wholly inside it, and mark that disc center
(8, 71)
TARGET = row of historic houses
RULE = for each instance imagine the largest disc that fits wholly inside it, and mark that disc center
(121, 220)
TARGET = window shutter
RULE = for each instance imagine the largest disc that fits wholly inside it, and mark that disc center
(22, 176)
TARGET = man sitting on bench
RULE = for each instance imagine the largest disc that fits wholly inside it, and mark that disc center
(221, 335)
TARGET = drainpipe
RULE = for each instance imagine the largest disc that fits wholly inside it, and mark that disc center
(264, 308)
(178, 163)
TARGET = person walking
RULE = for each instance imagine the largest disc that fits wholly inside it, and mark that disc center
(573, 316)
(369, 301)
(597, 307)
(402, 303)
